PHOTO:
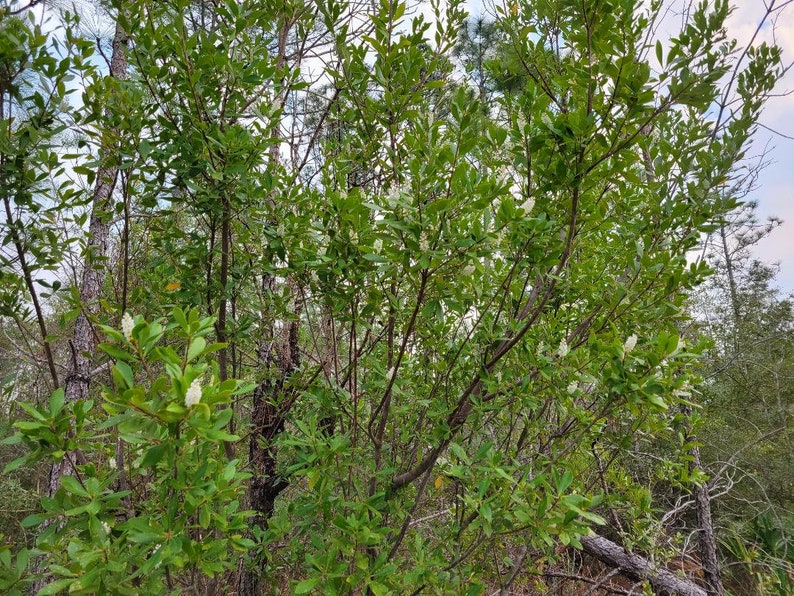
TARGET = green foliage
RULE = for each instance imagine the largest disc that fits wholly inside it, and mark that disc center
(458, 311)
(746, 427)
(181, 515)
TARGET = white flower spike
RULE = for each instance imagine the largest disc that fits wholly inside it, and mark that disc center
(631, 343)
(563, 350)
(127, 324)
(424, 245)
(193, 395)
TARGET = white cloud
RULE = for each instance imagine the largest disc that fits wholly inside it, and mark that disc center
(774, 193)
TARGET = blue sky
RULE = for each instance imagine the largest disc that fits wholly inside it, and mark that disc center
(773, 192)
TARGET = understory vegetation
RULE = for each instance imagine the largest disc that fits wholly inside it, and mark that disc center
(377, 297)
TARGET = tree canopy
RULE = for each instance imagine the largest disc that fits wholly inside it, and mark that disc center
(346, 297)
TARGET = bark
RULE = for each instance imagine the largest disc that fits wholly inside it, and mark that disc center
(272, 401)
(639, 568)
(84, 340)
(707, 538)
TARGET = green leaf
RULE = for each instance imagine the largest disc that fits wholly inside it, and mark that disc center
(306, 585)
(564, 481)
(122, 375)
(197, 346)
(153, 455)
(218, 435)
(72, 485)
(14, 464)
(116, 352)
(34, 520)
(56, 586)
(56, 401)
(377, 588)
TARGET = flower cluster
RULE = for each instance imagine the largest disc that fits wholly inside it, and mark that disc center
(424, 244)
(127, 324)
(563, 349)
(630, 344)
(193, 395)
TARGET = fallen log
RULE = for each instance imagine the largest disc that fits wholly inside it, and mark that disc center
(639, 568)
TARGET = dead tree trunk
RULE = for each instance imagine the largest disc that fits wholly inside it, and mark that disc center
(280, 357)
(639, 568)
(707, 538)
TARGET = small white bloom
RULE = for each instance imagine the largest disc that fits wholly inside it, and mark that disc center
(684, 391)
(681, 344)
(193, 395)
(126, 326)
(541, 349)
(528, 204)
(424, 245)
(563, 350)
(353, 237)
(515, 190)
(106, 527)
(573, 386)
(377, 246)
(112, 463)
(395, 192)
(630, 344)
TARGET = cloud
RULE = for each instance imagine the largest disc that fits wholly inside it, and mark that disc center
(774, 193)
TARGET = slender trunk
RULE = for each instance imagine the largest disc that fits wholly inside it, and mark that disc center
(731, 276)
(278, 352)
(220, 325)
(34, 298)
(272, 401)
(707, 538)
(84, 340)
(9, 187)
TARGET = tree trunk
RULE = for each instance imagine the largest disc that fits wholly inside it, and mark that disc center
(639, 568)
(84, 340)
(271, 404)
(706, 535)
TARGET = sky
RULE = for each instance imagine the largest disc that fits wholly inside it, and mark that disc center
(774, 191)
